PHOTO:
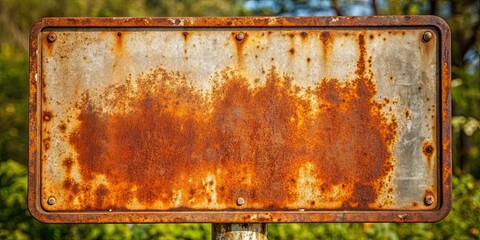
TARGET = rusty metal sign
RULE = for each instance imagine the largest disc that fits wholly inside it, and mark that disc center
(261, 119)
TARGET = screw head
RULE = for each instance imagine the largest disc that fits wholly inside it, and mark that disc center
(240, 201)
(427, 36)
(51, 37)
(51, 201)
(240, 36)
(428, 200)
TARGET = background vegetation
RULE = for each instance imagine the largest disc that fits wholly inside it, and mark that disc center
(16, 17)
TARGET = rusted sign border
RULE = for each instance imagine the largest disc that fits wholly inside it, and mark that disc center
(247, 216)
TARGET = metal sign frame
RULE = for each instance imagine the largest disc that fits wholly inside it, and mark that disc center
(443, 111)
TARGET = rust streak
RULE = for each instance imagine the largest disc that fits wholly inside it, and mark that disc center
(428, 151)
(327, 40)
(239, 44)
(186, 36)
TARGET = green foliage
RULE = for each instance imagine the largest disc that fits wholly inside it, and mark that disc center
(13, 104)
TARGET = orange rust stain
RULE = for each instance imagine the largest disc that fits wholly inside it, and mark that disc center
(327, 40)
(428, 150)
(46, 143)
(62, 127)
(67, 163)
(47, 44)
(292, 51)
(304, 35)
(239, 44)
(361, 68)
(47, 116)
(253, 140)
(119, 40)
(446, 86)
(186, 36)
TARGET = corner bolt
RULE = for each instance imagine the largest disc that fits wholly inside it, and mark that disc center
(51, 37)
(427, 36)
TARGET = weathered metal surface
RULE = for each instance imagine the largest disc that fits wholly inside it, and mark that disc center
(240, 119)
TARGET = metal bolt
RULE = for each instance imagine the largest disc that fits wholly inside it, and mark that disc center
(429, 149)
(427, 36)
(428, 200)
(240, 36)
(51, 201)
(240, 201)
(51, 37)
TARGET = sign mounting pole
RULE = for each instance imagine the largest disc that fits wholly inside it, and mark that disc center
(254, 231)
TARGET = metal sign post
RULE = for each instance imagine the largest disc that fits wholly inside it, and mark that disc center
(239, 231)
(240, 121)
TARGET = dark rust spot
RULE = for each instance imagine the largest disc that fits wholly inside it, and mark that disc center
(292, 51)
(171, 136)
(67, 163)
(62, 127)
(185, 35)
(428, 150)
(47, 116)
(101, 194)
(407, 114)
(308, 60)
(303, 34)
(70, 185)
(46, 143)
(325, 36)
(119, 41)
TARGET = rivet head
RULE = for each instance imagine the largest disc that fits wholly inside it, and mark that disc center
(240, 36)
(427, 36)
(429, 149)
(51, 37)
(240, 201)
(51, 201)
(428, 200)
